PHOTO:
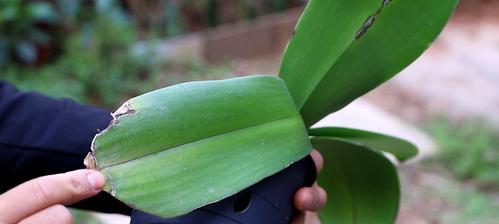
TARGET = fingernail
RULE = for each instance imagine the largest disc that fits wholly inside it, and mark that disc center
(96, 180)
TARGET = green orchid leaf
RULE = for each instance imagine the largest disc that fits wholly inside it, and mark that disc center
(361, 183)
(400, 148)
(344, 48)
(176, 149)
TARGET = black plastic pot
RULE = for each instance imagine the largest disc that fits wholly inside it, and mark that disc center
(268, 201)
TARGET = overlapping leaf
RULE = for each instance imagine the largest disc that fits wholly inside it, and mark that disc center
(344, 48)
(176, 149)
(362, 184)
(400, 148)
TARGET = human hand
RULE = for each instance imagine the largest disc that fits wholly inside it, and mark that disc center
(308, 200)
(41, 200)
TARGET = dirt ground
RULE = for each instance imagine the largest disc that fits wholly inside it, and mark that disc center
(477, 11)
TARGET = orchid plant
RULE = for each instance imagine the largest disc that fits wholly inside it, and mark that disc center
(226, 135)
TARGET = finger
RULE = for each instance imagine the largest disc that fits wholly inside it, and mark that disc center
(312, 218)
(40, 193)
(306, 218)
(50, 215)
(310, 198)
(318, 159)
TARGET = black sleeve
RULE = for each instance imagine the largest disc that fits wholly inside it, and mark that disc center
(40, 135)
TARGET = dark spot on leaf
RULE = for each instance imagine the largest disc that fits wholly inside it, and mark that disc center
(370, 20)
(385, 3)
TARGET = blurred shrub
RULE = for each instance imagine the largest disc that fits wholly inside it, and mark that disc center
(452, 202)
(25, 30)
(166, 18)
(93, 41)
(470, 149)
(33, 32)
(99, 68)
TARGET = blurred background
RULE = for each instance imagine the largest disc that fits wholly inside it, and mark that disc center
(103, 52)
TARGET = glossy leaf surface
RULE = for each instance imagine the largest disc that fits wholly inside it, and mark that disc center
(361, 183)
(178, 148)
(344, 48)
(400, 148)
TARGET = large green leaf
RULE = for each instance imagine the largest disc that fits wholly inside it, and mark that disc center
(361, 183)
(344, 48)
(176, 149)
(400, 148)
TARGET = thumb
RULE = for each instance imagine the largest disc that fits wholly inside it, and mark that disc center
(43, 192)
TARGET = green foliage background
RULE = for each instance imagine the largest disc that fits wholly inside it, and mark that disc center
(469, 149)
(96, 64)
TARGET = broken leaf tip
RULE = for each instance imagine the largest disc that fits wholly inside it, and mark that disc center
(125, 109)
(90, 161)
